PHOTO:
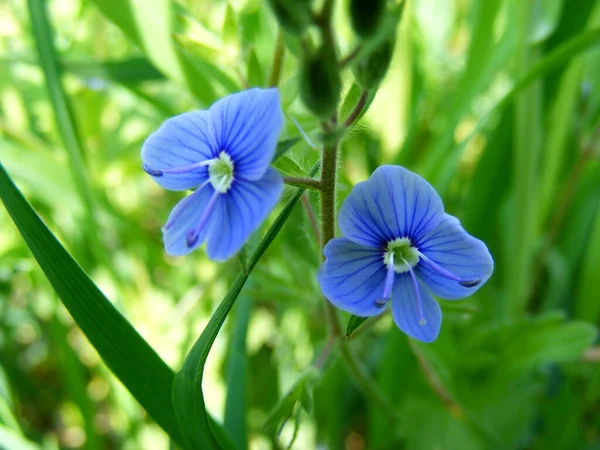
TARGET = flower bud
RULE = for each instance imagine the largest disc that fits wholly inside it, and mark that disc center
(366, 15)
(370, 69)
(294, 16)
(320, 83)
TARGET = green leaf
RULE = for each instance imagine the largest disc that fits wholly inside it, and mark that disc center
(44, 40)
(151, 28)
(230, 28)
(284, 146)
(123, 350)
(285, 407)
(132, 70)
(188, 397)
(126, 71)
(587, 305)
(545, 18)
(353, 323)
(527, 344)
(288, 167)
(254, 75)
(237, 375)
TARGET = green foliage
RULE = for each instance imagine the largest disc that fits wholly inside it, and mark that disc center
(495, 102)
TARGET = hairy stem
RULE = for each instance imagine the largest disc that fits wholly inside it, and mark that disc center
(329, 169)
(328, 180)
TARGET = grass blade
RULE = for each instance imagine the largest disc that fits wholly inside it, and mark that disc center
(123, 350)
(187, 388)
(44, 40)
(237, 375)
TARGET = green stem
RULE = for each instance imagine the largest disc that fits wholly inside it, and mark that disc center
(303, 182)
(367, 384)
(355, 114)
(328, 180)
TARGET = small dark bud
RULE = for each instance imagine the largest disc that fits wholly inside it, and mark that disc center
(366, 16)
(294, 16)
(320, 83)
(371, 69)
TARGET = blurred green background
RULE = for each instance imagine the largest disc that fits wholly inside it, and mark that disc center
(515, 365)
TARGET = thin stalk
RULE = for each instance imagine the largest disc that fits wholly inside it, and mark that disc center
(362, 101)
(311, 216)
(304, 182)
(349, 58)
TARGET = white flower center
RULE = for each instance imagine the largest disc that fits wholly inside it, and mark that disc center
(405, 255)
(220, 172)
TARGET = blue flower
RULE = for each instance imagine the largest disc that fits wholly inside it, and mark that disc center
(401, 246)
(225, 153)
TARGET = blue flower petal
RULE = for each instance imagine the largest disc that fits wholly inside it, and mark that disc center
(185, 216)
(393, 203)
(180, 142)
(352, 277)
(456, 251)
(247, 126)
(405, 309)
(241, 211)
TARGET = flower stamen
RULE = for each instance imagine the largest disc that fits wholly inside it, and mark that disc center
(174, 170)
(389, 280)
(191, 238)
(447, 274)
(422, 320)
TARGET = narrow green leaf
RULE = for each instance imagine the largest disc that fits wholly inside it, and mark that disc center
(44, 40)
(191, 50)
(126, 71)
(254, 71)
(132, 70)
(236, 378)
(284, 408)
(545, 18)
(152, 29)
(284, 146)
(230, 28)
(587, 305)
(287, 166)
(188, 397)
(353, 323)
(563, 53)
(123, 350)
